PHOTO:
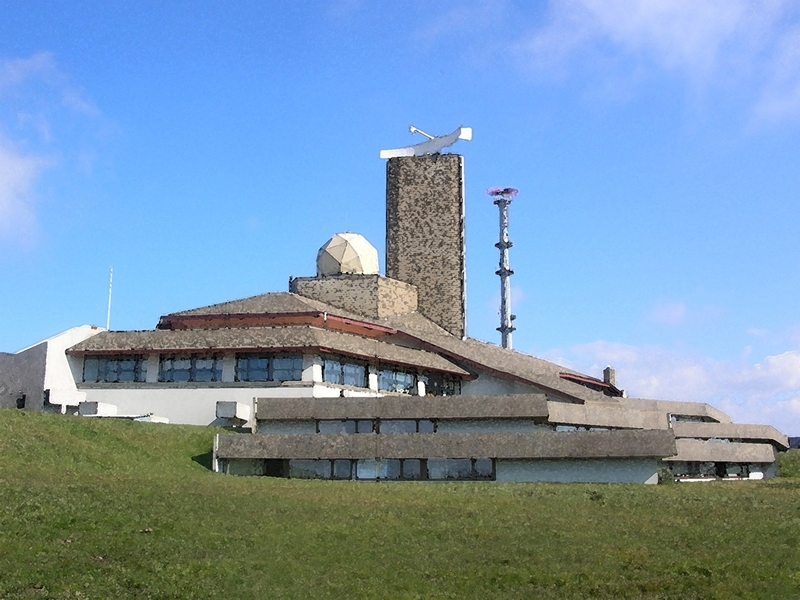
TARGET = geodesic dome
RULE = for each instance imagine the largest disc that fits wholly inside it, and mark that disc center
(347, 253)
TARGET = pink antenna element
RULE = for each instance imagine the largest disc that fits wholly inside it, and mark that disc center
(496, 191)
(503, 197)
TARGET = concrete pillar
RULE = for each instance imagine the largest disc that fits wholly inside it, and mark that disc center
(229, 367)
(372, 377)
(153, 365)
(425, 234)
(312, 368)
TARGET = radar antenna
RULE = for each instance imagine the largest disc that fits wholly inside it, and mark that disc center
(433, 145)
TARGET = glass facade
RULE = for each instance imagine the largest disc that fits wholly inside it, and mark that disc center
(115, 369)
(352, 426)
(344, 371)
(395, 469)
(269, 367)
(189, 368)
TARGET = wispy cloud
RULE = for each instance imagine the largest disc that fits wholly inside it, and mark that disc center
(18, 173)
(767, 391)
(752, 46)
(37, 100)
(671, 313)
(473, 26)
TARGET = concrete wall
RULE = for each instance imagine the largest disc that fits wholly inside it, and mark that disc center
(606, 414)
(369, 295)
(673, 407)
(536, 444)
(595, 470)
(403, 407)
(487, 385)
(425, 234)
(23, 373)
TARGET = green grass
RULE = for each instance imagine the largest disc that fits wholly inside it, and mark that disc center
(102, 509)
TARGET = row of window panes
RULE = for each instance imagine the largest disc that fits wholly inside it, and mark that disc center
(394, 469)
(115, 369)
(344, 371)
(405, 382)
(351, 426)
(710, 469)
(192, 367)
(269, 367)
(260, 367)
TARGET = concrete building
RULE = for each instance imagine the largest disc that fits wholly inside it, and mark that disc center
(354, 375)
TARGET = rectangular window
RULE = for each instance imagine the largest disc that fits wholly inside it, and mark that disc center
(342, 469)
(115, 369)
(411, 468)
(336, 427)
(310, 469)
(439, 384)
(190, 367)
(269, 367)
(398, 426)
(345, 427)
(252, 368)
(336, 369)
(426, 426)
(461, 468)
(393, 380)
(286, 368)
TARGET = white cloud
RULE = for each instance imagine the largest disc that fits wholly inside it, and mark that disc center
(16, 71)
(751, 46)
(471, 20)
(765, 392)
(671, 313)
(18, 173)
(37, 103)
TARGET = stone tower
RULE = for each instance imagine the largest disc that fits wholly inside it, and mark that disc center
(425, 234)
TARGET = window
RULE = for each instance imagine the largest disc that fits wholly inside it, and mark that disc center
(269, 367)
(407, 426)
(393, 469)
(344, 371)
(394, 380)
(115, 369)
(460, 468)
(190, 367)
(439, 384)
(351, 426)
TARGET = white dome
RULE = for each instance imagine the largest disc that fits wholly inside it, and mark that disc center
(347, 253)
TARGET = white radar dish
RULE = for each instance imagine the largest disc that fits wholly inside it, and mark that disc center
(347, 253)
(433, 145)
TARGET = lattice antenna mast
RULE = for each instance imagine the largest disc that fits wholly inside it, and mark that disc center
(503, 197)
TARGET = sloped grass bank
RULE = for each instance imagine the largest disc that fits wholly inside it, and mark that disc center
(102, 509)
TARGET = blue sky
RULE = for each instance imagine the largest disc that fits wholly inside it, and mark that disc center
(206, 150)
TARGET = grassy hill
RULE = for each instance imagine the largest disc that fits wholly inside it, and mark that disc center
(115, 509)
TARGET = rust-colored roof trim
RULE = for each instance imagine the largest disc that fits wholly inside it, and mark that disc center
(313, 318)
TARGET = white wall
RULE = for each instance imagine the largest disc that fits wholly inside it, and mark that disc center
(487, 385)
(62, 371)
(191, 404)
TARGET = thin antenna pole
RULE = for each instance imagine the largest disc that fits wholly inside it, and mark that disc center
(110, 281)
(503, 198)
